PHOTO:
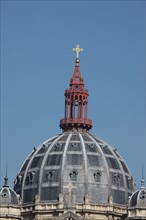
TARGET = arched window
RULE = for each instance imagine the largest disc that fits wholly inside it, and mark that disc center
(142, 195)
(50, 175)
(129, 182)
(91, 145)
(117, 179)
(30, 177)
(73, 175)
(97, 176)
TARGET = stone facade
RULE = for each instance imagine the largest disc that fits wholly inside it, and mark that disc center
(10, 212)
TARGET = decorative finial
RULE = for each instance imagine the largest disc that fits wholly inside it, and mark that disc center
(142, 183)
(6, 181)
(77, 49)
(142, 180)
(6, 178)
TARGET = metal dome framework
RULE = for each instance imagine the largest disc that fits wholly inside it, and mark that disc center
(75, 163)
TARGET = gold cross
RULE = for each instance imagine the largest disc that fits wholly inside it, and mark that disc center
(77, 50)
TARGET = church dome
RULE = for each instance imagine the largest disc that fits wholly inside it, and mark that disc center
(7, 195)
(78, 160)
(138, 198)
(137, 203)
(75, 167)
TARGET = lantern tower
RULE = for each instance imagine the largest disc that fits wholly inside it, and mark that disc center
(76, 102)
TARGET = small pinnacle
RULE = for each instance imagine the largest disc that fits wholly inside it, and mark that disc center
(6, 181)
(142, 183)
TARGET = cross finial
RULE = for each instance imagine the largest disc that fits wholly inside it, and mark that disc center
(77, 49)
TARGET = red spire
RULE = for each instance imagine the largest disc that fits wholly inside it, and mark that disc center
(76, 102)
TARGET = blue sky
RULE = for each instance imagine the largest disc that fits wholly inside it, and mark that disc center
(37, 63)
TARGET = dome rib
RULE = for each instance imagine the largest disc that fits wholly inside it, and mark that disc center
(85, 163)
(64, 159)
